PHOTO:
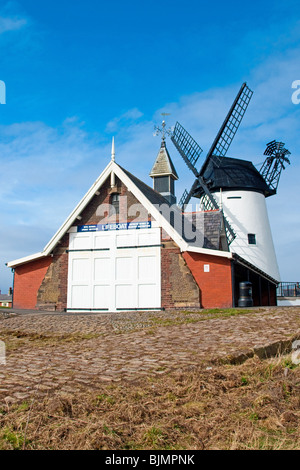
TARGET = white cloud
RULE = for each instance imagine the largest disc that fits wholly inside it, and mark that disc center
(11, 24)
(130, 116)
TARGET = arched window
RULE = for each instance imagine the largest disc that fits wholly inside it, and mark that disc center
(115, 202)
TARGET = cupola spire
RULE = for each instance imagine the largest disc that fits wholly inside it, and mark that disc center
(163, 171)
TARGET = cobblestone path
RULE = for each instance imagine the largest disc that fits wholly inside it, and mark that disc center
(48, 353)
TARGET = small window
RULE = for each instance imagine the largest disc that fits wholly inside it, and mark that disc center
(162, 184)
(115, 202)
(251, 238)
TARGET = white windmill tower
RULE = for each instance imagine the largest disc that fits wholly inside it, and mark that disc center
(236, 187)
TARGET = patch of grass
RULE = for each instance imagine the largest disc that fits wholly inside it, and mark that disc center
(153, 437)
(219, 311)
(244, 380)
(107, 430)
(286, 390)
(24, 406)
(105, 398)
(195, 316)
(11, 440)
(150, 331)
(226, 312)
(171, 396)
(254, 417)
(158, 321)
(161, 369)
(289, 364)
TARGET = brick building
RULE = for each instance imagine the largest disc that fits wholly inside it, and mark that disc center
(5, 300)
(127, 246)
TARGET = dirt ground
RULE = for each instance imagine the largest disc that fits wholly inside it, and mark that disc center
(169, 380)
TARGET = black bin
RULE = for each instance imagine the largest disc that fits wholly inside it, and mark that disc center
(245, 299)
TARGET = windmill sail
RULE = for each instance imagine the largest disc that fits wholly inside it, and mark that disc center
(231, 124)
(277, 157)
(187, 195)
(187, 147)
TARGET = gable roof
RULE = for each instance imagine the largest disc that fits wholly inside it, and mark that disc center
(149, 198)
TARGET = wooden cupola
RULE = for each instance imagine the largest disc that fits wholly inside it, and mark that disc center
(164, 174)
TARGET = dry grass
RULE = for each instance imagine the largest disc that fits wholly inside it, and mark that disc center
(250, 406)
(15, 340)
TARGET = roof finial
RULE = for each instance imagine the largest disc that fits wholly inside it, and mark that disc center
(163, 129)
(113, 154)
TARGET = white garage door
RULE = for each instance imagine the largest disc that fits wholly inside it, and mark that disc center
(114, 270)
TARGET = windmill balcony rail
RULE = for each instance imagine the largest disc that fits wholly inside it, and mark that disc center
(288, 289)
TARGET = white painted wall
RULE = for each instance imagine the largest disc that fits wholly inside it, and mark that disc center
(249, 215)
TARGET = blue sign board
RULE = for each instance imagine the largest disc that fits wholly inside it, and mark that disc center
(120, 226)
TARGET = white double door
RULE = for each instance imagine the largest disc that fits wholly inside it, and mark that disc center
(114, 270)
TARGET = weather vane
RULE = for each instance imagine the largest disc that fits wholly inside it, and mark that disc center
(163, 129)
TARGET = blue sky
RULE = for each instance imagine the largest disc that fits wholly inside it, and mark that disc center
(79, 72)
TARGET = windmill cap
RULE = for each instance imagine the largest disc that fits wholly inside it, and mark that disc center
(233, 174)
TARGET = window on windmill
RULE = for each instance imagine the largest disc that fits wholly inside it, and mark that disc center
(115, 202)
(251, 239)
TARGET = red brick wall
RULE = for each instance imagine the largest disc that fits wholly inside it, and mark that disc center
(216, 285)
(91, 214)
(28, 278)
